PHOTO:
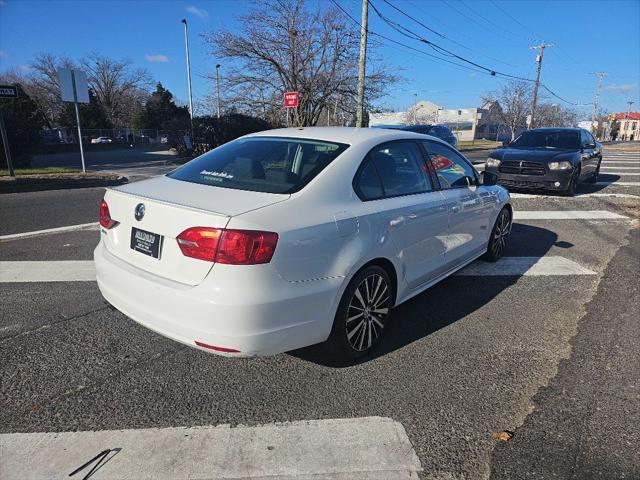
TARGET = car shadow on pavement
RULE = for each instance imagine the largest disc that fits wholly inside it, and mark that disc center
(445, 303)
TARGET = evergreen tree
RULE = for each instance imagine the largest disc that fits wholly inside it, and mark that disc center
(160, 112)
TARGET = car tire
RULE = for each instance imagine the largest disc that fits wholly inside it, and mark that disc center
(594, 177)
(499, 236)
(573, 184)
(363, 313)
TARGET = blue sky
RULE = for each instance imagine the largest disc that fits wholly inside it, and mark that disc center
(588, 35)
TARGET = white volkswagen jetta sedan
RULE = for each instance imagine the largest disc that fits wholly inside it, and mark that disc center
(287, 238)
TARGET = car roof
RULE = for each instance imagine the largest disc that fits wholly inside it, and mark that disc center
(348, 135)
(555, 129)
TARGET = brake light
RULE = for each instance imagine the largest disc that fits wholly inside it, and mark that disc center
(199, 242)
(246, 247)
(105, 216)
(231, 247)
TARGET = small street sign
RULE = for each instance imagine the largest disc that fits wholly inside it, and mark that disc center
(8, 91)
(290, 99)
(73, 85)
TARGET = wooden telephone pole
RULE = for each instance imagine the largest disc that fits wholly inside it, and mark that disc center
(362, 64)
(534, 101)
(596, 102)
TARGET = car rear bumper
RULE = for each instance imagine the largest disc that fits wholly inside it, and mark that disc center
(250, 309)
(555, 180)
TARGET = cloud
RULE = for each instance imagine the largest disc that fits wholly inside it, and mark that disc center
(25, 68)
(157, 58)
(621, 88)
(198, 12)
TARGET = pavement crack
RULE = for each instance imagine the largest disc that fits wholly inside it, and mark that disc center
(51, 324)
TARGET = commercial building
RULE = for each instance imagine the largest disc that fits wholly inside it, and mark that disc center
(629, 126)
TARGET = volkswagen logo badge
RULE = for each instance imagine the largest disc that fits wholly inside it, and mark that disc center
(139, 211)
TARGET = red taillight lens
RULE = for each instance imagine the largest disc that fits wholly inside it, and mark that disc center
(105, 216)
(232, 247)
(246, 247)
(199, 242)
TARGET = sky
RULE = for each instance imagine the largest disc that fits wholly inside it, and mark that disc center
(588, 36)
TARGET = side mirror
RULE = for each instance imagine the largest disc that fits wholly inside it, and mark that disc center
(488, 178)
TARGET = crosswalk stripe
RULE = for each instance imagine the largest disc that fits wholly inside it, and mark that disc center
(566, 215)
(618, 184)
(577, 197)
(47, 271)
(525, 266)
(619, 168)
(620, 173)
(360, 448)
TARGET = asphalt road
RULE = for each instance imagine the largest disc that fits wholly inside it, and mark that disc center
(553, 358)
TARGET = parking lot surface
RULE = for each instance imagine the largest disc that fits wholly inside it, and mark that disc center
(540, 344)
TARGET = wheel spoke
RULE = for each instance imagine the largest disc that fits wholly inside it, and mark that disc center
(358, 295)
(378, 300)
(351, 319)
(355, 329)
(383, 310)
(377, 320)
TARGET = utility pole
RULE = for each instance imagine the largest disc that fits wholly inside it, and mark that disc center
(629, 103)
(218, 90)
(596, 102)
(415, 108)
(362, 63)
(186, 43)
(534, 101)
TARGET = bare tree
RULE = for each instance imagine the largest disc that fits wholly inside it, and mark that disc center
(555, 115)
(514, 99)
(285, 46)
(117, 85)
(43, 86)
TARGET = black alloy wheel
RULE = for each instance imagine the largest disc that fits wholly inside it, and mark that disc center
(499, 236)
(572, 187)
(363, 313)
(594, 177)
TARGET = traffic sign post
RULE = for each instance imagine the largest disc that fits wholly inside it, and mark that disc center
(74, 88)
(7, 91)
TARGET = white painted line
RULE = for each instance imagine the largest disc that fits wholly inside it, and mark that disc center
(577, 197)
(54, 271)
(566, 215)
(618, 173)
(529, 266)
(619, 168)
(48, 231)
(361, 448)
(620, 184)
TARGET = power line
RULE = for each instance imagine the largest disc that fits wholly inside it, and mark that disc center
(443, 51)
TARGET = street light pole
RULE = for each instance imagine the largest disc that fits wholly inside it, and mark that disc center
(186, 43)
(218, 90)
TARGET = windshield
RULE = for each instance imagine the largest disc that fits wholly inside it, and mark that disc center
(564, 139)
(261, 164)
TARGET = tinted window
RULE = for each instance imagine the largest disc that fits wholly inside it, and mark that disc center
(262, 164)
(368, 185)
(451, 168)
(564, 139)
(398, 167)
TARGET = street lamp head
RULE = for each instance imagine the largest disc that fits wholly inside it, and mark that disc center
(218, 65)
(183, 21)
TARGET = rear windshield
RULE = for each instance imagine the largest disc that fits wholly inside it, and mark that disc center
(261, 164)
(564, 139)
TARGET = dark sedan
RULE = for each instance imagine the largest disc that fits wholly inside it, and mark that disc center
(554, 159)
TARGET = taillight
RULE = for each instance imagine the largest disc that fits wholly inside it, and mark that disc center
(231, 247)
(199, 242)
(105, 216)
(246, 247)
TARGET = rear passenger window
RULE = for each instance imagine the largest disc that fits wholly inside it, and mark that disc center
(390, 170)
(452, 169)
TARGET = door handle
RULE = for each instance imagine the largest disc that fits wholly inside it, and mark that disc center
(412, 216)
(396, 222)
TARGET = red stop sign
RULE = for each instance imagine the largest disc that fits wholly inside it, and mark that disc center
(290, 99)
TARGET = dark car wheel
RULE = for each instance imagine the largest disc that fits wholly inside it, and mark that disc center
(363, 313)
(499, 236)
(594, 177)
(572, 187)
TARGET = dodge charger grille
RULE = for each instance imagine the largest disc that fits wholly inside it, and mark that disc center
(522, 168)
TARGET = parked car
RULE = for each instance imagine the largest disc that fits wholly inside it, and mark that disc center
(290, 237)
(101, 140)
(554, 159)
(439, 131)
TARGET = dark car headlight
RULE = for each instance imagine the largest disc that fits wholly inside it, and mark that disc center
(564, 165)
(493, 162)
